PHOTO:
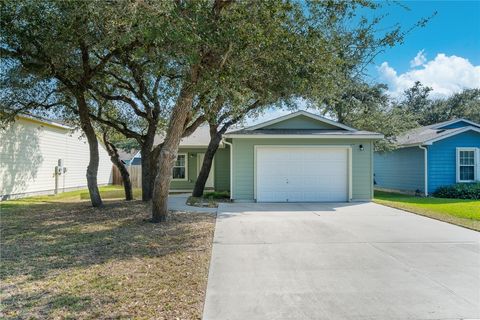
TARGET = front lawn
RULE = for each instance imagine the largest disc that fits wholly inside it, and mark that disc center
(61, 258)
(457, 211)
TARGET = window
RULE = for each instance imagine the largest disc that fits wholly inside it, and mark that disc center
(466, 164)
(180, 167)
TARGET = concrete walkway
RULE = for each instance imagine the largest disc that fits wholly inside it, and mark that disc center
(176, 202)
(340, 261)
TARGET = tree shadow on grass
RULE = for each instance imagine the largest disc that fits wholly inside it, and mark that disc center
(68, 303)
(37, 240)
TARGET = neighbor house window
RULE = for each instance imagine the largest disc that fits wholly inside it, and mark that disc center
(467, 162)
(180, 167)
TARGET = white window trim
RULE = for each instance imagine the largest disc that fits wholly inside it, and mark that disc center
(186, 167)
(475, 164)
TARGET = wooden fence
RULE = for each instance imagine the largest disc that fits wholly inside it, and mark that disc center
(135, 176)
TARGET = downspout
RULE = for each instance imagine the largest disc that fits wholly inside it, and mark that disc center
(425, 172)
(231, 166)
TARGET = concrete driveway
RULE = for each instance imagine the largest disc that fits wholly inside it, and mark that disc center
(177, 202)
(340, 261)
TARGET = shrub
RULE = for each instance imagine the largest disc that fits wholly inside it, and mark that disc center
(459, 191)
(217, 195)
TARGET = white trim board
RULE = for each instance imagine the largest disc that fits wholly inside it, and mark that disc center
(303, 136)
(465, 129)
(447, 123)
(298, 113)
(431, 141)
(44, 121)
(476, 166)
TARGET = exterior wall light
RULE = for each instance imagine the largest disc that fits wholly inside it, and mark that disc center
(361, 147)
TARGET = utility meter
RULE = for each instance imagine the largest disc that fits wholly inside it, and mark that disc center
(60, 169)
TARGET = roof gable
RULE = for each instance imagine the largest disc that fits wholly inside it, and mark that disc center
(435, 132)
(457, 123)
(452, 132)
(301, 120)
(43, 121)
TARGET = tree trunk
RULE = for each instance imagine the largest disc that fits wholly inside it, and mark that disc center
(92, 168)
(115, 158)
(168, 155)
(146, 174)
(155, 155)
(215, 138)
(146, 152)
(127, 183)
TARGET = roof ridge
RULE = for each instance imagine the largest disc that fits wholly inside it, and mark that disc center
(297, 113)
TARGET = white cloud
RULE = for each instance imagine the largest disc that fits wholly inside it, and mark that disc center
(419, 59)
(445, 74)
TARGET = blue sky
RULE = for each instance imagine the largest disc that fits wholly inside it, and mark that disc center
(455, 30)
(445, 54)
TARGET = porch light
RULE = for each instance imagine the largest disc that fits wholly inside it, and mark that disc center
(361, 147)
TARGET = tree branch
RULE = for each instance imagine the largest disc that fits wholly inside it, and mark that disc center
(122, 98)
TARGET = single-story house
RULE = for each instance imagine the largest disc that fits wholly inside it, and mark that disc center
(32, 149)
(429, 157)
(300, 157)
(190, 159)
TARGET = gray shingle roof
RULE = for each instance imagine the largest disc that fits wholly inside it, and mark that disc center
(199, 138)
(435, 131)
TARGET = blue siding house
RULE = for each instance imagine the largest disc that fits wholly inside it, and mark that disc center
(429, 157)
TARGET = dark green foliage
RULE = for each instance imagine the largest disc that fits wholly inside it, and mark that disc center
(217, 195)
(459, 191)
(368, 107)
(427, 109)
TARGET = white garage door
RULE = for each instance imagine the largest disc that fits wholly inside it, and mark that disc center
(301, 174)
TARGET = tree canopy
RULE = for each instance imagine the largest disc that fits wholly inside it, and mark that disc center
(143, 67)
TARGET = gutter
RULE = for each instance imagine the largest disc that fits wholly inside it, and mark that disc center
(307, 136)
(425, 170)
(44, 121)
(231, 166)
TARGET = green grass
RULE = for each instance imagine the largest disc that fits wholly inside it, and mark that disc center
(63, 259)
(107, 192)
(461, 212)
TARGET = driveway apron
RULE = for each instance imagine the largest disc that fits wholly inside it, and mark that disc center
(340, 261)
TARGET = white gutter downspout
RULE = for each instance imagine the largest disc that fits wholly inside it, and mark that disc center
(425, 172)
(231, 166)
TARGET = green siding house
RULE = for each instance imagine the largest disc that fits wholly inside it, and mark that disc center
(300, 157)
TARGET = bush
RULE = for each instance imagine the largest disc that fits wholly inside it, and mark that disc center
(459, 191)
(217, 195)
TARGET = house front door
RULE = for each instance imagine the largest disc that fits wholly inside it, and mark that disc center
(210, 180)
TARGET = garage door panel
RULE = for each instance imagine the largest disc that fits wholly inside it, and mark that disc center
(291, 174)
